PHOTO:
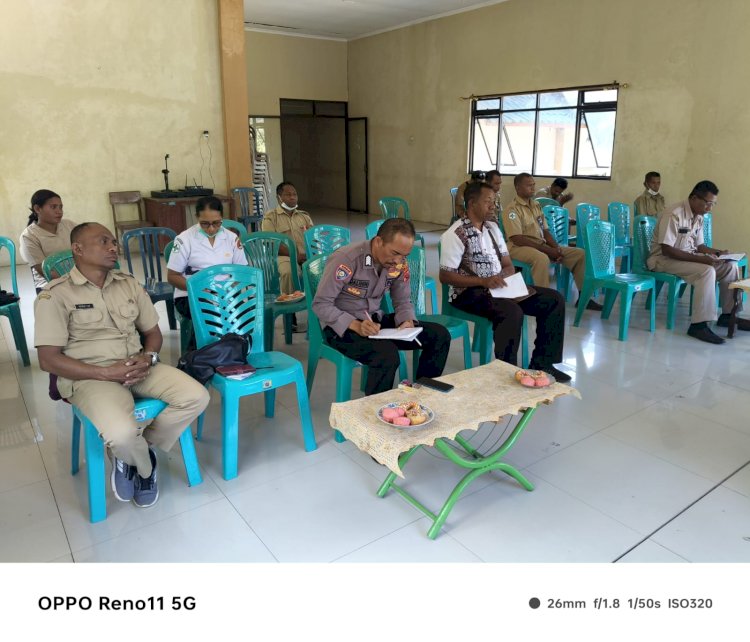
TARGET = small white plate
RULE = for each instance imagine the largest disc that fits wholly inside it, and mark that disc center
(425, 409)
(549, 376)
(299, 297)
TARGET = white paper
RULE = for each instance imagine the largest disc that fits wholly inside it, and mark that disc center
(514, 287)
(405, 334)
(732, 257)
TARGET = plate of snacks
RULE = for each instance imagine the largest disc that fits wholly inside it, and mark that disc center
(407, 414)
(534, 378)
(290, 298)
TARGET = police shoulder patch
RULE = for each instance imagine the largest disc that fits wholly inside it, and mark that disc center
(512, 216)
(343, 272)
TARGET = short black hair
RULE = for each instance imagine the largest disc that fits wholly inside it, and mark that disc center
(562, 183)
(704, 187)
(478, 175)
(209, 203)
(393, 226)
(650, 175)
(473, 192)
(76, 232)
(519, 177)
(491, 174)
(280, 187)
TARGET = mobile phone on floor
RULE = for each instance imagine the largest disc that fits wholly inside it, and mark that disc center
(434, 384)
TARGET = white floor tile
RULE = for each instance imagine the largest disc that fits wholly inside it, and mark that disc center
(740, 481)
(652, 553)
(716, 402)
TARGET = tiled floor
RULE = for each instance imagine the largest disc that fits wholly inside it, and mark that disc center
(651, 466)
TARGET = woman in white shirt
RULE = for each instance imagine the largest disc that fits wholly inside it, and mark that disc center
(203, 245)
(47, 233)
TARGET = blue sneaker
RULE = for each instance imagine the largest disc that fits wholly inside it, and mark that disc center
(146, 491)
(123, 480)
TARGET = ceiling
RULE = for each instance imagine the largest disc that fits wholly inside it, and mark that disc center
(346, 19)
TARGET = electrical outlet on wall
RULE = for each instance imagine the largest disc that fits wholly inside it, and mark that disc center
(205, 134)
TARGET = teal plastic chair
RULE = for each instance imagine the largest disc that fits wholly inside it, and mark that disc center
(235, 225)
(312, 273)
(708, 239)
(394, 207)
(262, 251)
(545, 202)
(371, 231)
(156, 287)
(619, 215)
(229, 298)
(585, 212)
(454, 215)
(186, 325)
(13, 310)
(483, 335)
(60, 263)
(643, 235)
(250, 216)
(145, 410)
(325, 239)
(600, 273)
(558, 223)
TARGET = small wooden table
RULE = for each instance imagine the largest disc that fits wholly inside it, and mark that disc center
(481, 394)
(739, 287)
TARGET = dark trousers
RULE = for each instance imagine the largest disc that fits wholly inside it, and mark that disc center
(381, 355)
(547, 305)
(183, 306)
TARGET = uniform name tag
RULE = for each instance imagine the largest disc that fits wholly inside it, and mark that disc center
(683, 230)
(84, 306)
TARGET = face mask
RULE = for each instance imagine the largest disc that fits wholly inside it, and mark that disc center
(652, 192)
(202, 231)
(288, 208)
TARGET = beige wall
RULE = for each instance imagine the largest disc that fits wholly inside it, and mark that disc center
(96, 92)
(684, 114)
(281, 66)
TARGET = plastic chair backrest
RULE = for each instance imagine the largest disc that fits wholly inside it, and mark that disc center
(454, 191)
(600, 248)
(417, 267)
(168, 251)
(243, 195)
(544, 201)
(708, 233)
(148, 244)
(324, 239)
(619, 215)
(9, 245)
(227, 298)
(262, 251)
(60, 262)
(235, 225)
(558, 222)
(392, 206)
(312, 274)
(585, 212)
(643, 235)
(371, 231)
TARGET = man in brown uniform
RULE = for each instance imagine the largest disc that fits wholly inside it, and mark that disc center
(86, 333)
(679, 249)
(348, 299)
(651, 202)
(530, 241)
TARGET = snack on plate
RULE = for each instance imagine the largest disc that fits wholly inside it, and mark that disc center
(297, 294)
(409, 413)
(532, 378)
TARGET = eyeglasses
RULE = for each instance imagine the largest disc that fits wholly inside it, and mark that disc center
(209, 224)
(709, 204)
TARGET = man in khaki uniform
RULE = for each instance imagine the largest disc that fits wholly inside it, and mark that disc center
(650, 203)
(530, 241)
(679, 249)
(86, 333)
(288, 219)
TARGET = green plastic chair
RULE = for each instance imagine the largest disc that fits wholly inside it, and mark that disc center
(325, 239)
(708, 238)
(246, 217)
(545, 202)
(483, 335)
(235, 225)
(393, 207)
(454, 215)
(619, 215)
(585, 212)
(644, 228)
(262, 251)
(60, 263)
(600, 273)
(186, 325)
(558, 223)
(371, 231)
(236, 293)
(312, 273)
(13, 310)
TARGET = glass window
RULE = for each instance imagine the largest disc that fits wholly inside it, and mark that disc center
(555, 142)
(494, 103)
(522, 101)
(558, 99)
(595, 142)
(600, 96)
(485, 143)
(517, 142)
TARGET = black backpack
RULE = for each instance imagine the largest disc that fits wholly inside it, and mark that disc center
(230, 350)
(7, 298)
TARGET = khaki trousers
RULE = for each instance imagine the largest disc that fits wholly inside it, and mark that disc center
(285, 275)
(574, 258)
(703, 278)
(109, 406)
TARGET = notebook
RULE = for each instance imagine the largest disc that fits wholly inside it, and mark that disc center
(404, 334)
(515, 287)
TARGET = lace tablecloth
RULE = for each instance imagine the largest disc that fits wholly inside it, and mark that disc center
(481, 394)
(740, 285)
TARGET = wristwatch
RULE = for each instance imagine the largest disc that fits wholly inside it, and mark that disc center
(154, 356)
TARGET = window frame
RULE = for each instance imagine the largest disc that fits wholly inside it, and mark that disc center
(581, 109)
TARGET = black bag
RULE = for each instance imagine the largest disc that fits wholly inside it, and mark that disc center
(230, 350)
(7, 298)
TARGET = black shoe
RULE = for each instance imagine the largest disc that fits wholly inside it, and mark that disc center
(702, 332)
(742, 324)
(559, 375)
(592, 305)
